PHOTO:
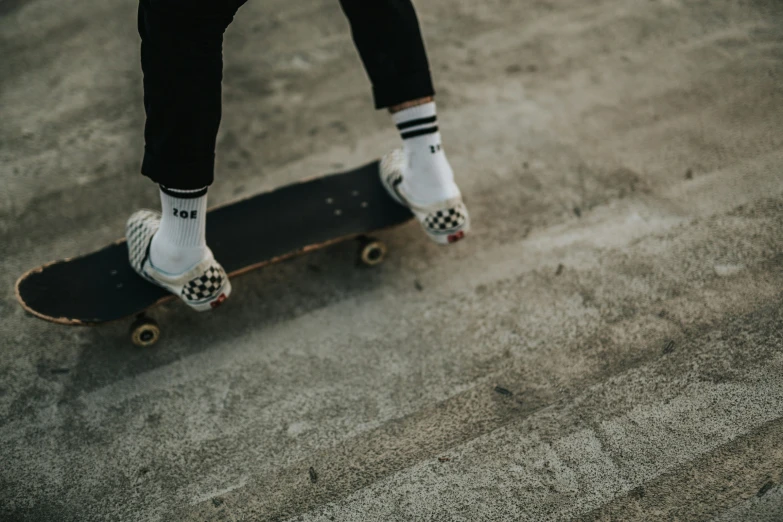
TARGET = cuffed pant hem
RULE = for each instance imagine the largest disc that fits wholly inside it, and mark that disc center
(399, 90)
(188, 175)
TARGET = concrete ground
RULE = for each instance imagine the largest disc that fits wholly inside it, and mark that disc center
(606, 346)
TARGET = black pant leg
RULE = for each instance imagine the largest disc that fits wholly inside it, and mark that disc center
(388, 38)
(182, 62)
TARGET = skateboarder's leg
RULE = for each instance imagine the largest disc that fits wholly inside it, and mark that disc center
(182, 62)
(388, 38)
(389, 41)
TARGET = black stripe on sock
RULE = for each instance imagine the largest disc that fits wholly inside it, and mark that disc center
(420, 132)
(413, 123)
(174, 193)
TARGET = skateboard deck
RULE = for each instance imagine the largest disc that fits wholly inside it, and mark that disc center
(245, 234)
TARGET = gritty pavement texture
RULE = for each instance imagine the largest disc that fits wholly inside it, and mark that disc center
(608, 345)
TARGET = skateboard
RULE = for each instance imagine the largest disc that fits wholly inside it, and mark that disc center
(246, 234)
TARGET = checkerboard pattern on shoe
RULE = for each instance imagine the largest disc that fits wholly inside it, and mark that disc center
(203, 287)
(139, 232)
(448, 219)
(444, 222)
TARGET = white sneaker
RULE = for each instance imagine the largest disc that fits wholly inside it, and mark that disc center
(203, 287)
(444, 222)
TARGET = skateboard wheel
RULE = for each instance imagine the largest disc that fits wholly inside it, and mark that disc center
(372, 251)
(144, 331)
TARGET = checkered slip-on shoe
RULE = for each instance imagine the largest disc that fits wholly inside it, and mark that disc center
(203, 287)
(444, 222)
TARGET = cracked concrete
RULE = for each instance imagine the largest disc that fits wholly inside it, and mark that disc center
(606, 346)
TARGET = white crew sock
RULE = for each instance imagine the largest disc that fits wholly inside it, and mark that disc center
(180, 242)
(429, 178)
